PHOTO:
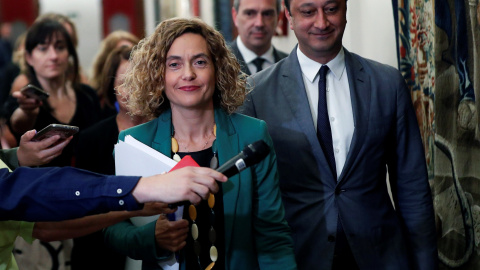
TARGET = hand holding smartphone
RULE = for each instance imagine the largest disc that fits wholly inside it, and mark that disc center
(65, 131)
(31, 91)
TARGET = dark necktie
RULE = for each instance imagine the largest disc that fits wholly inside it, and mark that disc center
(324, 132)
(258, 62)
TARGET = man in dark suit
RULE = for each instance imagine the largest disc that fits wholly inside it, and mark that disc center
(256, 21)
(333, 179)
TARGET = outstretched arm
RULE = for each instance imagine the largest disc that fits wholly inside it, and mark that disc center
(52, 194)
(60, 230)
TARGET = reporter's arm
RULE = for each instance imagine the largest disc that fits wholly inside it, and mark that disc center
(186, 184)
(53, 194)
(60, 230)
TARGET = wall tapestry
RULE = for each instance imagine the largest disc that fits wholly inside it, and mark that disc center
(438, 43)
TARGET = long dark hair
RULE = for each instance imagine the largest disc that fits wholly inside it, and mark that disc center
(43, 31)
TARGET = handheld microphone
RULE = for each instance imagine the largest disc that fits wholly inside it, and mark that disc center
(250, 155)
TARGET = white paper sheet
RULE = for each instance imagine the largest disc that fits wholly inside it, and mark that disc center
(134, 158)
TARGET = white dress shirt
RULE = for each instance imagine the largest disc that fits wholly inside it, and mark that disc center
(339, 102)
(249, 56)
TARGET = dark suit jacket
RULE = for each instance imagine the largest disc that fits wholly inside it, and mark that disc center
(381, 235)
(277, 55)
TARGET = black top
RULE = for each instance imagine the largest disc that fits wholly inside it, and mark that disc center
(7, 76)
(204, 222)
(107, 111)
(95, 147)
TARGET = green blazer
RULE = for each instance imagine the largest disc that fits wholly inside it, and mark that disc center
(256, 233)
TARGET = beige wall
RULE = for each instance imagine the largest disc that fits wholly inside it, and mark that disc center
(370, 29)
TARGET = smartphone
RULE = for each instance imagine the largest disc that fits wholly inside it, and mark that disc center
(32, 91)
(64, 131)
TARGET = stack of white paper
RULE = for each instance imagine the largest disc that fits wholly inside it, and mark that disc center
(134, 158)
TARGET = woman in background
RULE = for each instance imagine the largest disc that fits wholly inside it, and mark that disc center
(114, 40)
(94, 153)
(48, 51)
(51, 63)
(21, 80)
(186, 81)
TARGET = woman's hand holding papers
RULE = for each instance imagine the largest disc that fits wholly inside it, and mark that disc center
(171, 235)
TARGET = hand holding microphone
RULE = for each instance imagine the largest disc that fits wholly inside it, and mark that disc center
(250, 155)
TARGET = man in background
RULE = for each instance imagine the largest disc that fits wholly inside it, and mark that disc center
(256, 21)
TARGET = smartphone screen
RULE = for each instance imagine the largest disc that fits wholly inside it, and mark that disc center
(64, 131)
(32, 91)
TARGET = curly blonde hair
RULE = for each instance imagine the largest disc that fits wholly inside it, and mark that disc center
(145, 78)
(106, 47)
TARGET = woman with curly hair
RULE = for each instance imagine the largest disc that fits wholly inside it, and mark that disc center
(184, 79)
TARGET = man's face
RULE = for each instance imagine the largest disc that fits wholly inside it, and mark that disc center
(256, 21)
(318, 26)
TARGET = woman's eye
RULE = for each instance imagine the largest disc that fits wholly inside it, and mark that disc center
(173, 65)
(201, 62)
(42, 48)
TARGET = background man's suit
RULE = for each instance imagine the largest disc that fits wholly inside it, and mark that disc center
(386, 133)
(277, 55)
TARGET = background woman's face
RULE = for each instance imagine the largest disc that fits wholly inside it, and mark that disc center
(49, 59)
(120, 91)
(189, 73)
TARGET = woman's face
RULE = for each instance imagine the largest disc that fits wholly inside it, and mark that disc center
(121, 94)
(189, 73)
(50, 59)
